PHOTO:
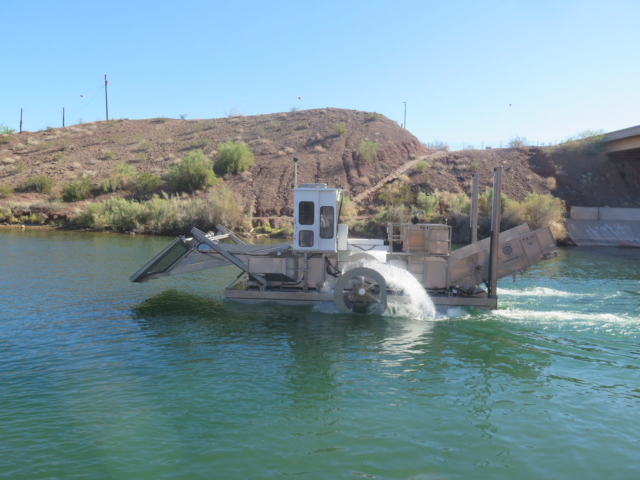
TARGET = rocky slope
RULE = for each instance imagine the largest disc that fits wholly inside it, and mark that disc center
(326, 155)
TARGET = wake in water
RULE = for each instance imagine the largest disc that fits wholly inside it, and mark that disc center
(418, 304)
(540, 292)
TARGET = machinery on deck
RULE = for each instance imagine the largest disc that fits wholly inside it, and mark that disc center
(322, 255)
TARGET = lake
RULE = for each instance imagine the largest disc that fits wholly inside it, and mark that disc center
(101, 378)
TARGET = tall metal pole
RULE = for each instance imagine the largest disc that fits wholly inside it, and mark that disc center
(63, 116)
(106, 98)
(295, 172)
(474, 208)
(495, 232)
(20, 120)
(405, 115)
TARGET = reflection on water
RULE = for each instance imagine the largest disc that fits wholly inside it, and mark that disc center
(106, 379)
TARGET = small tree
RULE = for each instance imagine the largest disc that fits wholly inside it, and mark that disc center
(234, 157)
(194, 172)
(517, 142)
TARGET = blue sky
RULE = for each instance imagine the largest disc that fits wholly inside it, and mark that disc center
(477, 72)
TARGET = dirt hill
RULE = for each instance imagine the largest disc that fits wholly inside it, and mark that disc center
(327, 142)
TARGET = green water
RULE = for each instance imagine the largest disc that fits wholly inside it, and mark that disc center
(101, 378)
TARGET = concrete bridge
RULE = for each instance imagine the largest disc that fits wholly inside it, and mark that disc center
(624, 143)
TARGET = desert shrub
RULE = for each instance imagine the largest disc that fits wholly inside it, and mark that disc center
(437, 145)
(542, 209)
(164, 215)
(199, 143)
(194, 172)
(58, 156)
(550, 183)
(285, 231)
(391, 214)
(485, 202)
(372, 117)
(459, 204)
(4, 139)
(148, 182)
(77, 190)
(5, 214)
(302, 126)
(5, 191)
(4, 130)
(122, 176)
(143, 145)
(396, 193)
(589, 142)
(234, 157)
(517, 142)
(367, 150)
(340, 128)
(107, 155)
(428, 204)
(421, 165)
(39, 183)
(348, 208)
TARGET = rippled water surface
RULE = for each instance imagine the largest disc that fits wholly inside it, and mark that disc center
(101, 378)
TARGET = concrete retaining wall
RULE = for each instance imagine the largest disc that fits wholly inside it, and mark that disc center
(605, 213)
(604, 225)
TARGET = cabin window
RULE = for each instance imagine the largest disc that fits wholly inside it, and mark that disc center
(326, 222)
(306, 210)
(306, 236)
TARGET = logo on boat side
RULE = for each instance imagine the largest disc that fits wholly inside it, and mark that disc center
(507, 250)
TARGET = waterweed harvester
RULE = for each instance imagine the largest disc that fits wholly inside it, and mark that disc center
(322, 255)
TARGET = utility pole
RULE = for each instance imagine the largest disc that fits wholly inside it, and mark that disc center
(106, 98)
(20, 120)
(405, 115)
(62, 117)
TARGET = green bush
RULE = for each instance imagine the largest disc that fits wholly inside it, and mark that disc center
(5, 214)
(77, 190)
(164, 215)
(122, 176)
(5, 191)
(367, 150)
(429, 204)
(485, 202)
(199, 143)
(4, 130)
(234, 157)
(340, 128)
(194, 172)
(148, 182)
(372, 117)
(421, 165)
(459, 204)
(396, 193)
(39, 183)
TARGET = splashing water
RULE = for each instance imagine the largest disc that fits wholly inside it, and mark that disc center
(402, 283)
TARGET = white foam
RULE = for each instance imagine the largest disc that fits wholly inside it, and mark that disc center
(560, 316)
(539, 292)
(420, 305)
